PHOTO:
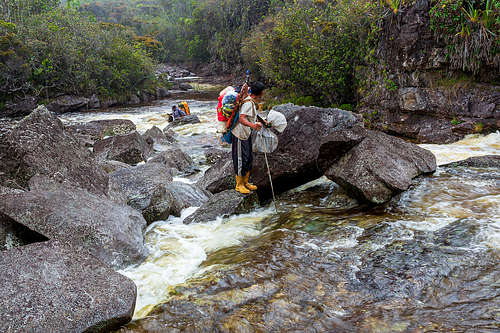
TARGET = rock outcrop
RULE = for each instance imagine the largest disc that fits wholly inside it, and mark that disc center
(416, 94)
(129, 148)
(146, 189)
(380, 167)
(223, 204)
(51, 287)
(159, 137)
(186, 195)
(67, 103)
(98, 129)
(174, 157)
(109, 231)
(39, 151)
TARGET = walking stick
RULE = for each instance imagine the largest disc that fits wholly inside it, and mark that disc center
(271, 181)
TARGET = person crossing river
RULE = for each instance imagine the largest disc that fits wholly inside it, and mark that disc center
(241, 138)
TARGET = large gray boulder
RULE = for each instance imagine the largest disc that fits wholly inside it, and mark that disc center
(38, 150)
(186, 195)
(146, 189)
(129, 148)
(51, 287)
(109, 231)
(224, 204)
(159, 137)
(220, 177)
(68, 103)
(380, 167)
(174, 157)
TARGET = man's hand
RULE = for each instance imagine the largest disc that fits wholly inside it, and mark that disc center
(257, 126)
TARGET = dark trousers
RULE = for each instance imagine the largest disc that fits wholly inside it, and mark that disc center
(242, 155)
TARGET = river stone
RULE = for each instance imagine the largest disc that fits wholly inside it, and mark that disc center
(191, 119)
(51, 287)
(487, 161)
(110, 166)
(146, 189)
(158, 136)
(186, 195)
(213, 155)
(110, 231)
(224, 204)
(98, 129)
(219, 177)
(380, 167)
(40, 146)
(129, 148)
(67, 103)
(174, 157)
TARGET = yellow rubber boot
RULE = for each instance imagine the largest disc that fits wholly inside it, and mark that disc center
(240, 185)
(249, 186)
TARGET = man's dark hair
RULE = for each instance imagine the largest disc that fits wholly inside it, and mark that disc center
(257, 88)
(174, 107)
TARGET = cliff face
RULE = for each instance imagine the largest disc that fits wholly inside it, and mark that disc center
(412, 91)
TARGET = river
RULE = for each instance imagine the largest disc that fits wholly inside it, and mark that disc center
(427, 261)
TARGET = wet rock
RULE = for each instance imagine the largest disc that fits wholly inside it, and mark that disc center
(380, 167)
(40, 150)
(174, 157)
(191, 119)
(223, 204)
(50, 286)
(129, 148)
(219, 177)
(145, 187)
(158, 136)
(98, 129)
(213, 155)
(110, 166)
(110, 231)
(487, 161)
(186, 195)
(67, 103)
(19, 108)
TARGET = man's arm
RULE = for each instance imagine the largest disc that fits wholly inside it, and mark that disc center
(244, 121)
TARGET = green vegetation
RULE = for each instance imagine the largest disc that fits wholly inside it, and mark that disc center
(52, 50)
(471, 29)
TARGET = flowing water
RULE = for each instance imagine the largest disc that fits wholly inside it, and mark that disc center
(429, 261)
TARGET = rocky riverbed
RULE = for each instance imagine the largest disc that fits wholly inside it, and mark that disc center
(119, 193)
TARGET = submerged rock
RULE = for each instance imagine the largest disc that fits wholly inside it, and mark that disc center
(129, 148)
(145, 187)
(51, 287)
(109, 231)
(380, 167)
(39, 150)
(223, 204)
(487, 161)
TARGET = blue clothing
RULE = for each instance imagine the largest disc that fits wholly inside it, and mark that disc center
(178, 113)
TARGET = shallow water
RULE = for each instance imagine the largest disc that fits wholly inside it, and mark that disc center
(428, 261)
